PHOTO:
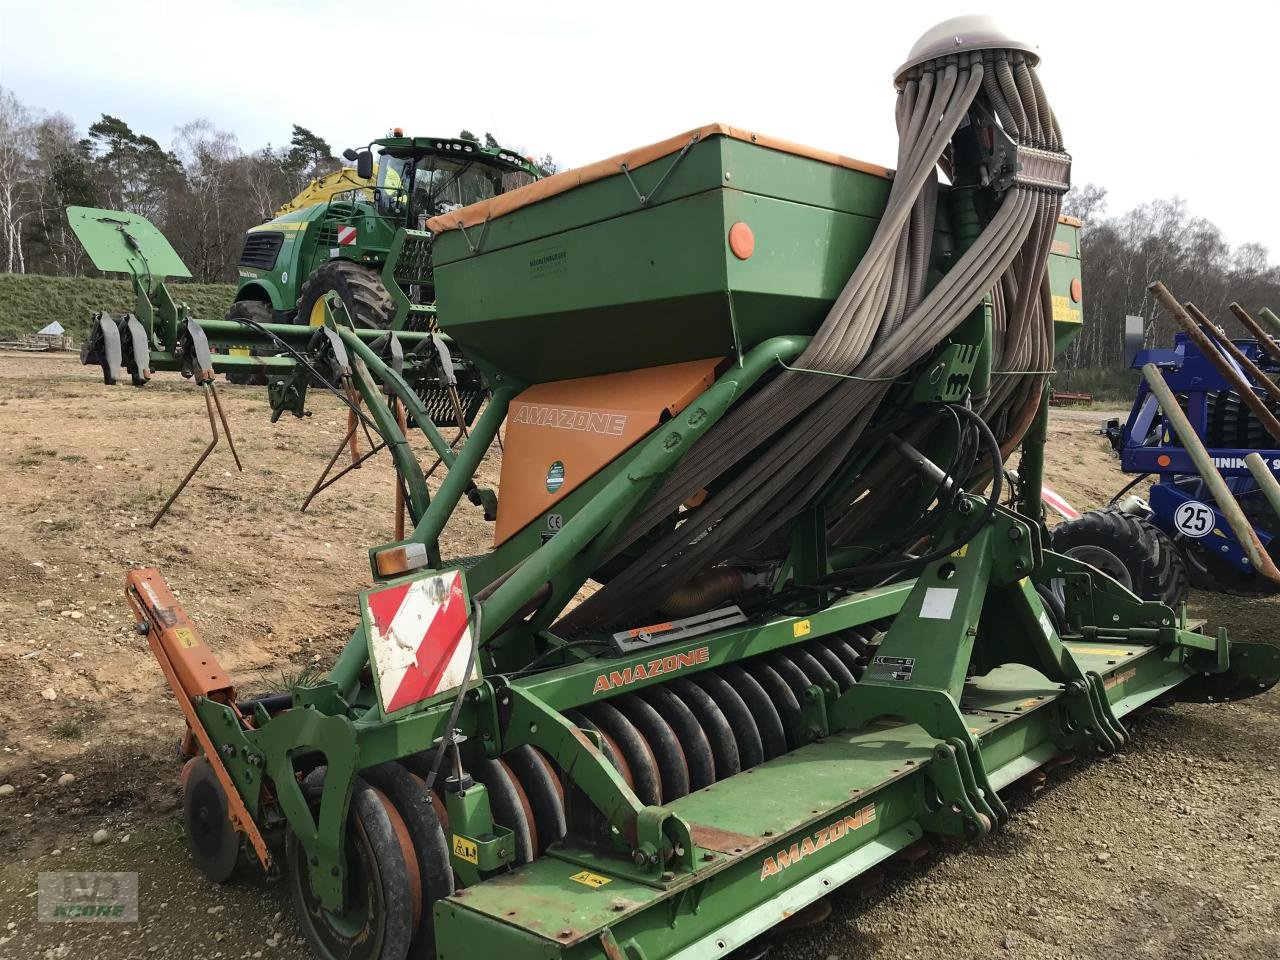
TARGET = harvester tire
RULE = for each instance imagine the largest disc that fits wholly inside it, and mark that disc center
(384, 887)
(359, 288)
(1131, 551)
(258, 312)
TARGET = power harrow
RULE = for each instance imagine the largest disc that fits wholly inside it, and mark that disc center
(756, 618)
(1205, 424)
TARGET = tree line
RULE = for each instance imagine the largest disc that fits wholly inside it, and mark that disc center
(1160, 240)
(203, 191)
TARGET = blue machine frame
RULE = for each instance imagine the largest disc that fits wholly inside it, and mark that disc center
(1147, 445)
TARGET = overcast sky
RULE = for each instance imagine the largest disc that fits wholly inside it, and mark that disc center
(1154, 99)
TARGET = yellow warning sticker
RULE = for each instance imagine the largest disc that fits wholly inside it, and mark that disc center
(590, 879)
(1064, 311)
(465, 848)
(1101, 651)
(963, 551)
(801, 628)
(185, 637)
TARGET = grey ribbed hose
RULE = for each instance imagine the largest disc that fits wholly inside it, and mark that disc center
(788, 439)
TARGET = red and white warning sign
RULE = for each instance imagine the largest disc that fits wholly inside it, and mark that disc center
(1058, 503)
(419, 638)
(346, 236)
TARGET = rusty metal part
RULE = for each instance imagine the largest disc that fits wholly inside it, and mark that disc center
(1202, 340)
(1236, 354)
(211, 402)
(1223, 498)
(192, 671)
(323, 484)
(1255, 330)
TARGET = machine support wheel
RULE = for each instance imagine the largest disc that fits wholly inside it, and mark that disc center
(384, 890)
(213, 842)
(1132, 552)
(359, 288)
(258, 312)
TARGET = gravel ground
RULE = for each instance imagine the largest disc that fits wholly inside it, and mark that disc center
(1170, 850)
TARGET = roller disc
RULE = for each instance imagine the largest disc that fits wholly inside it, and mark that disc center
(541, 786)
(673, 768)
(810, 666)
(791, 674)
(419, 765)
(782, 698)
(430, 847)
(612, 752)
(697, 750)
(213, 842)
(726, 722)
(760, 708)
(510, 808)
(835, 666)
(647, 782)
(854, 662)
(378, 923)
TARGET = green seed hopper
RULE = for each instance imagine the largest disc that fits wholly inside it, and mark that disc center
(756, 617)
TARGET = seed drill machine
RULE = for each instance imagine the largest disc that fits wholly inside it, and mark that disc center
(756, 617)
(1205, 424)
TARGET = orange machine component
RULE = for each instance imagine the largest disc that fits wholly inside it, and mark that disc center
(192, 671)
(560, 434)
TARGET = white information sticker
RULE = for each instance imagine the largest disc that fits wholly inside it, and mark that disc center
(938, 603)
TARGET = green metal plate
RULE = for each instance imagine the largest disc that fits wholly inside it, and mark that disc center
(106, 237)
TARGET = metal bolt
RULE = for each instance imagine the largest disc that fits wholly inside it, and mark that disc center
(639, 858)
(653, 859)
(1019, 565)
(565, 934)
(667, 876)
(1015, 534)
(143, 628)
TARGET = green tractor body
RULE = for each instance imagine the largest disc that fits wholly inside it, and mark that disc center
(351, 234)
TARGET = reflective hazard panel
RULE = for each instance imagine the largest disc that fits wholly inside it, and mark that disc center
(419, 637)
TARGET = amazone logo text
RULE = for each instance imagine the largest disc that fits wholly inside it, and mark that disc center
(777, 862)
(643, 671)
(567, 418)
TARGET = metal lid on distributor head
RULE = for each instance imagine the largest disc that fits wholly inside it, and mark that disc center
(962, 35)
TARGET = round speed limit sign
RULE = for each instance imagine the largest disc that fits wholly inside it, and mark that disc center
(1194, 519)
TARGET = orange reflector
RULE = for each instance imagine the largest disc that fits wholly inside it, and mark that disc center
(1075, 290)
(398, 132)
(741, 240)
(401, 559)
(1163, 460)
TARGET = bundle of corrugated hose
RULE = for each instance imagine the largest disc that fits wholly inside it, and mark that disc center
(774, 451)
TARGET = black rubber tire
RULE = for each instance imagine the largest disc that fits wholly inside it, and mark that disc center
(379, 884)
(1152, 572)
(258, 312)
(361, 290)
(1171, 570)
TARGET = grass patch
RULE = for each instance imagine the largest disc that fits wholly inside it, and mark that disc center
(30, 301)
(69, 728)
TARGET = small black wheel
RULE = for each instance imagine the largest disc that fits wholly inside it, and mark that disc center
(258, 312)
(213, 842)
(1133, 552)
(360, 289)
(384, 891)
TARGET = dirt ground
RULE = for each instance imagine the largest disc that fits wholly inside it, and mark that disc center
(1172, 849)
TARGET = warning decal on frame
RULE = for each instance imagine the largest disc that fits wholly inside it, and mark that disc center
(590, 879)
(891, 668)
(464, 848)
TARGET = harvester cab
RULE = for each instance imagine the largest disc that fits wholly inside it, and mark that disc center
(762, 396)
(368, 247)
